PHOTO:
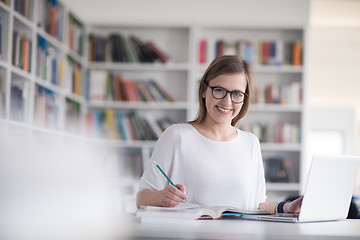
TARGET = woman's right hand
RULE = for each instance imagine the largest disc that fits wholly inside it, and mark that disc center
(172, 196)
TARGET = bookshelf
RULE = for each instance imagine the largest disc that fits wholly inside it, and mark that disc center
(65, 83)
(38, 84)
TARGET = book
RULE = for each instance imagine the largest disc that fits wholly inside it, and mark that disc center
(191, 211)
(279, 169)
(202, 51)
(158, 53)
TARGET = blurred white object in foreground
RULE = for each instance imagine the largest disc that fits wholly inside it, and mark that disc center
(55, 190)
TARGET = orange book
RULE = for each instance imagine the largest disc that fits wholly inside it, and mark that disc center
(297, 53)
(25, 56)
(53, 21)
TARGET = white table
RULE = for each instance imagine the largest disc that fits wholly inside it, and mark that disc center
(245, 229)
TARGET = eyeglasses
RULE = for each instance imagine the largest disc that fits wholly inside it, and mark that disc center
(220, 93)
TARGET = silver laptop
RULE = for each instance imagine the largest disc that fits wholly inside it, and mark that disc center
(328, 191)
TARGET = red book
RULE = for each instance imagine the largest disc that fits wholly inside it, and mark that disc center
(220, 48)
(202, 51)
(269, 95)
(265, 53)
(130, 91)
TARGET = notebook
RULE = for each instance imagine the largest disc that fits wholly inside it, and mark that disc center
(190, 211)
(328, 191)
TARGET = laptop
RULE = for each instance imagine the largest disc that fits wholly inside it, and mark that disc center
(328, 191)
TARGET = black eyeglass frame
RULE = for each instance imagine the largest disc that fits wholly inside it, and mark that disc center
(227, 91)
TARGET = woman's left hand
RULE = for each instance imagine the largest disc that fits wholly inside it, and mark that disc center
(294, 206)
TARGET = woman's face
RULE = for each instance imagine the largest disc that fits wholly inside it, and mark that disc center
(222, 111)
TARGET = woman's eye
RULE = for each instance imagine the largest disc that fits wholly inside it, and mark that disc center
(238, 94)
(218, 90)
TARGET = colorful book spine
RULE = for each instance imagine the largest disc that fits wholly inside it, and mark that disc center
(126, 126)
(124, 49)
(23, 7)
(278, 132)
(46, 108)
(75, 35)
(290, 94)
(21, 52)
(19, 91)
(74, 76)
(202, 51)
(114, 87)
(73, 116)
(51, 17)
(262, 52)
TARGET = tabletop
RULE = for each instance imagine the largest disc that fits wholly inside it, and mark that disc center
(233, 228)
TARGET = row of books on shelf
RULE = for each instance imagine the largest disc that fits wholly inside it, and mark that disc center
(21, 52)
(114, 87)
(19, 93)
(278, 132)
(278, 94)
(49, 63)
(279, 170)
(75, 35)
(73, 76)
(73, 116)
(127, 126)
(51, 18)
(23, 7)
(277, 52)
(121, 48)
(46, 112)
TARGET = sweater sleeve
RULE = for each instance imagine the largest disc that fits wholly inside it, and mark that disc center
(163, 154)
(261, 175)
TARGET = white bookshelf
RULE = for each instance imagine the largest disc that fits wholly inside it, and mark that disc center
(12, 21)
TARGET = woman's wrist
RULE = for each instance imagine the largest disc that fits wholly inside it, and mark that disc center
(281, 208)
(286, 207)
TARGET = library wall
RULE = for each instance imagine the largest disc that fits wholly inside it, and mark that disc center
(334, 58)
(334, 46)
(247, 12)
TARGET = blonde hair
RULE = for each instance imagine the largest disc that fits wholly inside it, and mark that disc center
(226, 64)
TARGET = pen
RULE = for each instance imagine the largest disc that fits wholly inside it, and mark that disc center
(165, 175)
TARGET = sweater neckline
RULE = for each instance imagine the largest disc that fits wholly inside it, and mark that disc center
(211, 140)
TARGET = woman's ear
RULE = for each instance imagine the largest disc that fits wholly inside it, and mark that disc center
(203, 95)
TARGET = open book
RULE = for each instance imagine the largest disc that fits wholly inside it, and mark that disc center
(193, 211)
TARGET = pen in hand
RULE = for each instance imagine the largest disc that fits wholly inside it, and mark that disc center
(165, 175)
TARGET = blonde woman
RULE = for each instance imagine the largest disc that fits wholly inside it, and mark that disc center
(211, 161)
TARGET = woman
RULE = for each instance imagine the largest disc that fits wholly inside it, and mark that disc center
(212, 162)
